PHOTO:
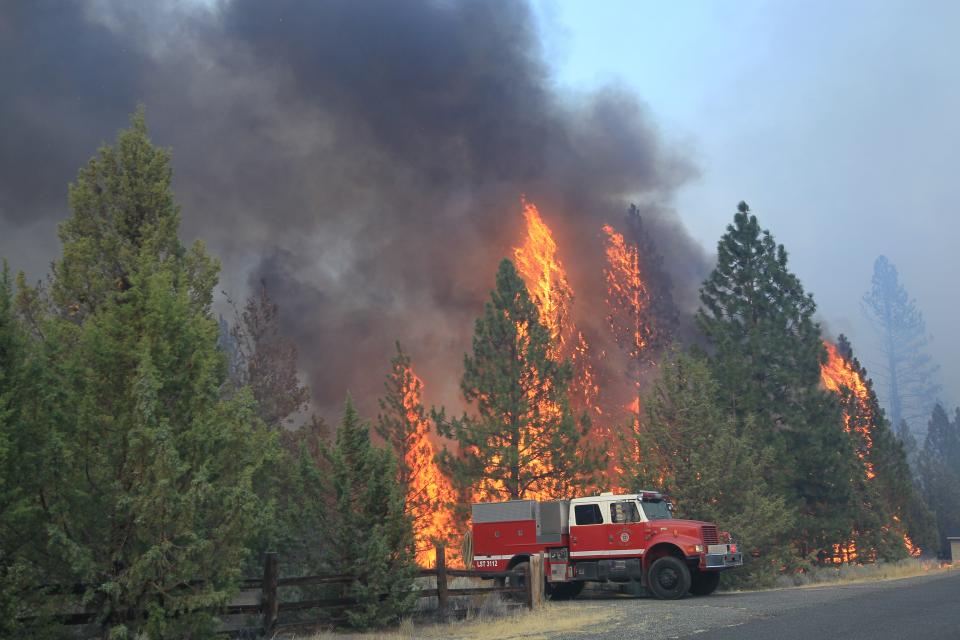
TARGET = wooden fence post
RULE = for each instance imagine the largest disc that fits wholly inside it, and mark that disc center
(534, 581)
(269, 603)
(443, 597)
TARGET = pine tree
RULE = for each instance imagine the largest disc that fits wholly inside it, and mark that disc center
(663, 315)
(939, 473)
(523, 442)
(908, 373)
(640, 309)
(404, 425)
(153, 484)
(267, 362)
(905, 435)
(943, 439)
(891, 504)
(766, 361)
(689, 448)
(371, 537)
(20, 441)
(302, 493)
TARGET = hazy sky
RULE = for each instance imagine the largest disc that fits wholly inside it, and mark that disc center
(312, 139)
(836, 121)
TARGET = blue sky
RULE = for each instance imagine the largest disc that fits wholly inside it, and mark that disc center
(836, 122)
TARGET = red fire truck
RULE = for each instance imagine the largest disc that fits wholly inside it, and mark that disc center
(631, 538)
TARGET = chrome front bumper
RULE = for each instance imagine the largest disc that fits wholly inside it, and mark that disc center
(723, 560)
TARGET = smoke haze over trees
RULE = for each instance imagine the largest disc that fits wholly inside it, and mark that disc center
(365, 164)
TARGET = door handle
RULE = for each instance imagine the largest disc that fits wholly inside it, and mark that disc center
(610, 537)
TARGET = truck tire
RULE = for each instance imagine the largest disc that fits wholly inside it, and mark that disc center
(704, 582)
(517, 582)
(564, 590)
(668, 578)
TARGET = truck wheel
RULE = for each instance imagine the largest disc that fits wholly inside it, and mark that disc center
(669, 578)
(517, 582)
(564, 590)
(704, 582)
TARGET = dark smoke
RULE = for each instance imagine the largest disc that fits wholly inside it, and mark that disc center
(365, 159)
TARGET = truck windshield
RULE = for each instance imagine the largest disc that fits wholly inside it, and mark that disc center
(656, 509)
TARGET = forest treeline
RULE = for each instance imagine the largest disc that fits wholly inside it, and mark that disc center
(149, 453)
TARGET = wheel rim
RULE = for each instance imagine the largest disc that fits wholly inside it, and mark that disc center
(668, 578)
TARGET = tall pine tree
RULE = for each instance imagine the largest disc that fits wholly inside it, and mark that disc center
(370, 535)
(689, 448)
(523, 440)
(939, 473)
(24, 470)
(152, 488)
(907, 373)
(891, 506)
(766, 360)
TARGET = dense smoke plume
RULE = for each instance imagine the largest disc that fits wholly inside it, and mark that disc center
(365, 160)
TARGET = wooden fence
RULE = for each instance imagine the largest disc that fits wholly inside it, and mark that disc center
(526, 583)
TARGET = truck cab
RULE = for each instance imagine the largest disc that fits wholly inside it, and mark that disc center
(627, 538)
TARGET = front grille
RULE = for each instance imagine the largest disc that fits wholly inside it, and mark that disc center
(710, 534)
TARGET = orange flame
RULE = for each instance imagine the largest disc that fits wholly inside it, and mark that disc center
(838, 375)
(844, 553)
(543, 272)
(628, 296)
(540, 267)
(540, 412)
(429, 492)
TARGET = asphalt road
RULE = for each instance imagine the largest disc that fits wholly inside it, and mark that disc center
(926, 608)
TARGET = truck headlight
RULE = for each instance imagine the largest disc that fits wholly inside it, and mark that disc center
(699, 548)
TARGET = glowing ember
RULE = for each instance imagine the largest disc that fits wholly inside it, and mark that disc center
(908, 544)
(912, 549)
(429, 493)
(844, 553)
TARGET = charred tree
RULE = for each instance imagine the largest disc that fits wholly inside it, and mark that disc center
(266, 361)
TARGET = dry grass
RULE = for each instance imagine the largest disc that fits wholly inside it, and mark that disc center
(517, 625)
(849, 574)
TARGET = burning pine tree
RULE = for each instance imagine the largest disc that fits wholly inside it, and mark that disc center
(640, 310)
(538, 264)
(640, 307)
(523, 441)
(541, 269)
(403, 424)
(890, 498)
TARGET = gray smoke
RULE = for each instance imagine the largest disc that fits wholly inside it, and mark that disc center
(365, 159)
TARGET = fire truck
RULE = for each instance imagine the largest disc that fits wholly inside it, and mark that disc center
(629, 538)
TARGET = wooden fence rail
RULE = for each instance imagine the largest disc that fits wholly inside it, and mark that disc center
(526, 582)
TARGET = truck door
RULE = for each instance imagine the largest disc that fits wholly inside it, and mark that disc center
(588, 535)
(625, 533)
